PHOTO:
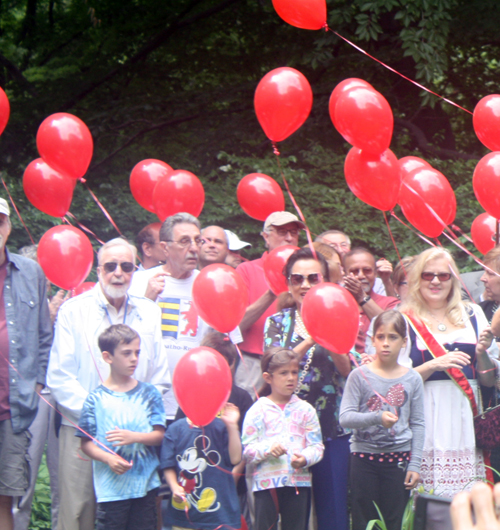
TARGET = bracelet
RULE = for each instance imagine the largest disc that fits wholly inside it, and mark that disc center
(486, 371)
(365, 299)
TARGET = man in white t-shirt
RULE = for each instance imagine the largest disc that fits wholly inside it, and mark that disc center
(170, 286)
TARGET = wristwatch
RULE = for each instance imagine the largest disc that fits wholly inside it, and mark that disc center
(367, 298)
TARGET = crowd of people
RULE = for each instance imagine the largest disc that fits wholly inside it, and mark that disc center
(308, 436)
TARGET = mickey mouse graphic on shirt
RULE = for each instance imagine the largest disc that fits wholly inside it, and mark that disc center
(192, 463)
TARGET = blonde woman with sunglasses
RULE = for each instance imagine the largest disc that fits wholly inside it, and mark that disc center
(451, 347)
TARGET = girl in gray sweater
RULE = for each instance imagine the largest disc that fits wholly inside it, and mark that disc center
(383, 403)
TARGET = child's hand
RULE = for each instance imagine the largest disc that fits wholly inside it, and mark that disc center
(411, 480)
(277, 450)
(178, 492)
(366, 358)
(388, 419)
(230, 414)
(121, 437)
(118, 465)
(485, 340)
(298, 461)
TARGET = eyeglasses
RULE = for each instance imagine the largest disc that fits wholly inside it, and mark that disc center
(185, 242)
(282, 232)
(312, 279)
(125, 266)
(441, 276)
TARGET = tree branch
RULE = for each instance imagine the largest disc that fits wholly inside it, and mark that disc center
(18, 76)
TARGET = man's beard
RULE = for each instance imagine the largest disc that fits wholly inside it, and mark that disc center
(115, 291)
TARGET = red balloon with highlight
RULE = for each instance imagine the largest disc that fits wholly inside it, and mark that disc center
(220, 296)
(66, 256)
(373, 179)
(428, 201)
(331, 316)
(202, 383)
(483, 232)
(144, 178)
(274, 263)
(486, 121)
(486, 183)
(181, 191)
(259, 196)
(364, 118)
(65, 143)
(4, 110)
(283, 101)
(83, 288)
(304, 14)
(344, 86)
(408, 163)
(47, 189)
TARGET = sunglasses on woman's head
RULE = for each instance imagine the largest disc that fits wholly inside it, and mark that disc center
(441, 276)
(125, 266)
(312, 279)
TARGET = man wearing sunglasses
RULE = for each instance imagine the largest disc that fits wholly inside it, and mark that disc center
(360, 269)
(170, 286)
(280, 228)
(76, 367)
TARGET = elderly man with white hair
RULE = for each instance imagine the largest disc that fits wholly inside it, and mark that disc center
(76, 367)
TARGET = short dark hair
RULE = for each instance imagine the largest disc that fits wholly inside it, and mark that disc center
(146, 235)
(221, 343)
(306, 254)
(115, 335)
(391, 317)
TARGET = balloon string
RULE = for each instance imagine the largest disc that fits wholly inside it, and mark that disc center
(104, 211)
(430, 243)
(297, 208)
(17, 211)
(83, 227)
(95, 440)
(394, 243)
(422, 87)
(462, 233)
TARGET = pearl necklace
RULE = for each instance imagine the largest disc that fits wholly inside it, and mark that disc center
(300, 327)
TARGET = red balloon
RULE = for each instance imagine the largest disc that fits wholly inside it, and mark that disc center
(428, 201)
(202, 383)
(143, 180)
(4, 110)
(220, 296)
(483, 232)
(83, 288)
(486, 183)
(66, 256)
(342, 87)
(259, 196)
(305, 14)
(408, 163)
(283, 101)
(274, 263)
(373, 179)
(364, 118)
(181, 191)
(47, 189)
(331, 315)
(486, 121)
(65, 143)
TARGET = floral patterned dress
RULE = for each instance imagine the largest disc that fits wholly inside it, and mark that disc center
(322, 386)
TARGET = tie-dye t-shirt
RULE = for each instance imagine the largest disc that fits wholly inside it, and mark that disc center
(137, 410)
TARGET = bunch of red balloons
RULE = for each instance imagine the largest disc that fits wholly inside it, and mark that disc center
(164, 191)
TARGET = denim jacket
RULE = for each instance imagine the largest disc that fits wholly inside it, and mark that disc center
(30, 336)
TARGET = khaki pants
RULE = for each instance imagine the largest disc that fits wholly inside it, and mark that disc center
(77, 502)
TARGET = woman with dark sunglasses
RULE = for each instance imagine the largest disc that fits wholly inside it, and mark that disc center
(451, 347)
(321, 381)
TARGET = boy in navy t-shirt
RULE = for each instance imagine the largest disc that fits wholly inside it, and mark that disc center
(128, 417)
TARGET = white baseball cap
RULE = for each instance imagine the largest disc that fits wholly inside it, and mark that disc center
(4, 207)
(234, 242)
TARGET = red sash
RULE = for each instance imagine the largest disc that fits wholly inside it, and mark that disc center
(436, 350)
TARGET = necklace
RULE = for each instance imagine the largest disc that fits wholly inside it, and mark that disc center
(441, 326)
(299, 326)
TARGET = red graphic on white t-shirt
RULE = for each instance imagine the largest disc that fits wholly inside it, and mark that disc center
(191, 318)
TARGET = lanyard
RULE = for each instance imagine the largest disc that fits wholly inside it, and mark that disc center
(124, 313)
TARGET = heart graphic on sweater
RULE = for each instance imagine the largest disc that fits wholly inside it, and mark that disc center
(396, 396)
(265, 484)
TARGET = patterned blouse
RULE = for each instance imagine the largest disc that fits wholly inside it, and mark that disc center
(322, 385)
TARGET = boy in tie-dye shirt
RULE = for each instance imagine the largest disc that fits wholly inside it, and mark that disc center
(128, 417)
